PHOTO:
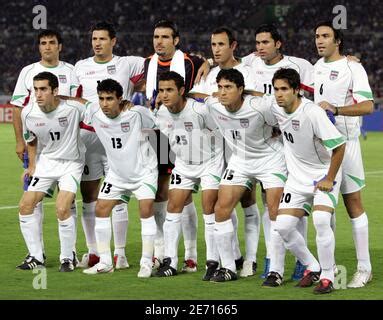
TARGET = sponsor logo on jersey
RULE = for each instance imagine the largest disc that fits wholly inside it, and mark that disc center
(244, 123)
(188, 126)
(259, 72)
(104, 126)
(222, 118)
(334, 75)
(295, 124)
(40, 124)
(125, 126)
(63, 122)
(111, 69)
(62, 78)
(89, 73)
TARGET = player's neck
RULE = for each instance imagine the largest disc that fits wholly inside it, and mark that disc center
(334, 57)
(103, 58)
(274, 60)
(234, 107)
(50, 63)
(294, 106)
(180, 106)
(228, 64)
(167, 57)
(53, 106)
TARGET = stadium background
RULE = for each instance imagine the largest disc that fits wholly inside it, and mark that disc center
(134, 20)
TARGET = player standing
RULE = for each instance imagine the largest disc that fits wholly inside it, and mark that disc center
(341, 86)
(127, 70)
(53, 126)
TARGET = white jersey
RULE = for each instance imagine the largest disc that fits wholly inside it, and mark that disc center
(209, 86)
(57, 132)
(130, 155)
(342, 83)
(126, 70)
(192, 135)
(308, 136)
(24, 92)
(264, 73)
(247, 132)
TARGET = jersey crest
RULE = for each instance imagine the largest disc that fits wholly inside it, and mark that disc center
(244, 123)
(295, 124)
(125, 126)
(63, 122)
(62, 78)
(333, 75)
(111, 69)
(188, 126)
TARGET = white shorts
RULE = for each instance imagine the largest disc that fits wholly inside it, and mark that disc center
(272, 174)
(352, 168)
(296, 196)
(96, 163)
(66, 174)
(207, 175)
(116, 190)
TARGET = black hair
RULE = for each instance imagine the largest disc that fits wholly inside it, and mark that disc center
(171, 75)
(232, 75)
(49, 33)
(110, 86)
(107, 26)
(270, 28)
(338, 34)
(226, 30)
(52, 79)
(168, 24)
(290, 75)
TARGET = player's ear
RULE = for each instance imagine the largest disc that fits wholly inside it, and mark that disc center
(55, 91)
(234, 45)
(278, 44)
(60, 47)
(182, 91)
(176, 41)
(114, 40)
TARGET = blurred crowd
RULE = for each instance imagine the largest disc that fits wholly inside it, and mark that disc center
(134, 20)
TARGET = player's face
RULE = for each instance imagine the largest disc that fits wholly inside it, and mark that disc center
(102, 44)
(325, 42)
(266, 47)
(229, 95)
(49, 48)
(284, 94)
(164, 44)
(44, 94)
(222, 50)
(110, 104)
(171, 96)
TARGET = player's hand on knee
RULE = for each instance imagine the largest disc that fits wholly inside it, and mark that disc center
(20, 148)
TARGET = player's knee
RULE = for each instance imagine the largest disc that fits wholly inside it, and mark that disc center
(175, 207)
(26, 206)
(322, 221)
(285, 224)
(102, 210)
(62, 212)
(222, 210)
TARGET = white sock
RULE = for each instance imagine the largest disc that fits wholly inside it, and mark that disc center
(278, 251)
(223, 236)
(120, 228)
(103, 231)
(266, 230)
(286, 225)
(39, 211)
(172, 235)
(148, 234)
(189, 225)
(252, 227)
(211, 248)
(325, 243)
(360, 235)
(29, 225)
(73, 212)
(159, 209)
(302, 227)
(67, 238)
(235, 244)
(88, 223)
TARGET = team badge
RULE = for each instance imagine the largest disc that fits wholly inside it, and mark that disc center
(333, 75)
(244, 123)
(125, 126)
(295, 124)
(188, 126)
(111, 69)
(62, 78)
(63, 122)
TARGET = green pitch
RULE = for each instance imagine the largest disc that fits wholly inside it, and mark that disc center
(16, 284)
